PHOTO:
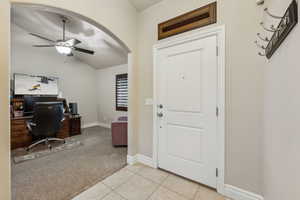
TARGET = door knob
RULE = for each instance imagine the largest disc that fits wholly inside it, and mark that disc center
(160, 114)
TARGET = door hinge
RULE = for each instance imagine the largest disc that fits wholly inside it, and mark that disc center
(217, 50)
(217, 111)
(217, 172)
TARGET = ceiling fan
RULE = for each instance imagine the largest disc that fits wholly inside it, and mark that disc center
(65, 47)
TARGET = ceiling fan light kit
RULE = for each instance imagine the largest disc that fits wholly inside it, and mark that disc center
(64, 47)
(63, 50)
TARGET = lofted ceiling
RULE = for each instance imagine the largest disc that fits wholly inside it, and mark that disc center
(141, 5)
(108, 52)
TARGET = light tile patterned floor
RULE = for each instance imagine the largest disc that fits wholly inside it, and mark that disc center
(139, 182)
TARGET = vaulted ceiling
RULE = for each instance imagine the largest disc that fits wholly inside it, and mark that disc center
(144, 4)
(108, 52)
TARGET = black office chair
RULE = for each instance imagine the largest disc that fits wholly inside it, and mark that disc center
(47, 120)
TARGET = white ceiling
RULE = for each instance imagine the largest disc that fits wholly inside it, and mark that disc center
(108, 52)
(143, 4)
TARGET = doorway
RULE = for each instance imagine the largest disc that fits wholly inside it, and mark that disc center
(189, 115)
(99, 154)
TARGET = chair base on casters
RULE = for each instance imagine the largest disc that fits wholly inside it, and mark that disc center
(46, 141)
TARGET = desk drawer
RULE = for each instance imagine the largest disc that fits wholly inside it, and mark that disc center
(64, 131)
(18, 122)
(19, 128)
(19, 134)
(18, 143)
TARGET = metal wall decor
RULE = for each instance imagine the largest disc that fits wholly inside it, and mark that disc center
(287, 22)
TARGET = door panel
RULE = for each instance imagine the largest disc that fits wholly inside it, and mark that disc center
(183, 71)
(177, 134)
(187, 89)
(188, 119)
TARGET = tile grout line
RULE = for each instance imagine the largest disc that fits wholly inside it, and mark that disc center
(133, 173)
(195, 195)
(114, 190)
(170, 190)
(106, 194)
(137, 174)
(178, 193)
(159, 185)
(121, 183)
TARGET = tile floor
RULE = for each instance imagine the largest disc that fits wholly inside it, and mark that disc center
(139, 182)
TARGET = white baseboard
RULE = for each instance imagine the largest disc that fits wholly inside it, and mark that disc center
(89, 125)
(131, 160)
(236, 193)
(145, 160)
(139, 158)
(104, 125)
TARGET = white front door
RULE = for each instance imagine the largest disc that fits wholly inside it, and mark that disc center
(187, 100)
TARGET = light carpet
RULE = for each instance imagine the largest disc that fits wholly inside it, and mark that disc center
(21, 155)
(63, 175)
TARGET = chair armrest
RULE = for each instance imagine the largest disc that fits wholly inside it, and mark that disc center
(29, 125)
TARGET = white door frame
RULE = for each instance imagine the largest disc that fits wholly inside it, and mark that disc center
(218, 31)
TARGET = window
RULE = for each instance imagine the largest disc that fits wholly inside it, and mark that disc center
(122, 92)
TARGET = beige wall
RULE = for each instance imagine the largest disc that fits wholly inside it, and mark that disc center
(282, 102)
(4, 102)
(244, 84)
(77, 80)
(106, 84)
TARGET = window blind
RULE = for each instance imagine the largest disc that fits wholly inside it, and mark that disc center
(122, 92)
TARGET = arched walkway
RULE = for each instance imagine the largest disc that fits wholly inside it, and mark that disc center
(96, 24)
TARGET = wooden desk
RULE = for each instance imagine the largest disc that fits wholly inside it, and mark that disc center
(20, 136)
(75, 125)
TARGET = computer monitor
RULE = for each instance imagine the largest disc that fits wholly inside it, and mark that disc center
(28, 105)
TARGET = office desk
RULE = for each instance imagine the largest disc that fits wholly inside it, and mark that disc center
(20, 136)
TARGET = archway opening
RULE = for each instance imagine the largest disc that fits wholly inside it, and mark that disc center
(91, 152)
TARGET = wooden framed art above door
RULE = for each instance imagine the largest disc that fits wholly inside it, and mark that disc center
(189, 99)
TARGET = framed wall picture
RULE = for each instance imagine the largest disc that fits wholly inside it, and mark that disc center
(25, 84)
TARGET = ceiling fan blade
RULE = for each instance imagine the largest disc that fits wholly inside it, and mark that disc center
(47, 45)
(41, 37)
(84, 50)
(73, 42)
